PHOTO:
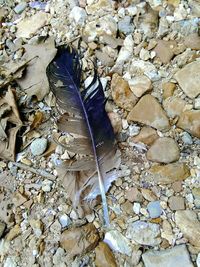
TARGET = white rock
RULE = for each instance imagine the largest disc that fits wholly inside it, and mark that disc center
(78, 14)
(197, 103)
(139, 85)
(10, 262)
(144, 54)
(144, 67)
(47, 185)
(136, 208)
(64, 220)
(134, 130)
(131, 10)
(38, 146)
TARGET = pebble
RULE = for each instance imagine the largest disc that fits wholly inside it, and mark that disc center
(79, 15)
(197, 103)
(149, 111)
(10, 262)
(37, 227)
(190, 122)
(196, 194)
(147, 136)
(186, 138)
(176, 203)
(192, 41)
(165, 50)
(136, 208)
(168, 89)
(144, 233)
(174, 106)
(47, 185)
(104, 256)
(38, 146)
(177, 256)
(118, 242)
(125, 25)
(13, 233)
(20, 7)
(164, 150)
(139, 85)
(154, 209)
(133, 195)
(64, 220)
(188, 79)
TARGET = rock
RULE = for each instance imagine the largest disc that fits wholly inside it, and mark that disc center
(2, 228)
(47, 185)
(37, 227)
(118, 242)
(149, 111)
(20, 7)
(167, 232)
(185, 27)
(176, 203)
(104, 58)
(133, 195)
(190, 121)
(177, 186)
(148, 194)
(195, 9)
(189, 225)
(166, 174)
(19, 199)
(127, 207)
(139, 85)
(144, 54)
(58, 257)
(197, 103)
(38, 146)
(10, 262)
(177, 256)
(168, 89)
(104, 256)
(196, 194)
(121, 93)
(136, 208)
(154, 209)
(64, 220)
(144, 233)
(192, 41)
(174, 106)
(146, 136)
(99, 7)
(165, 50)
(13, 233)
(187, 139)
(125, 25)
(78, 14)
(77, 241)
(140, 67)
(164, 150)
(198, 260)
(189, 79)
(116, 121)
(30, 25)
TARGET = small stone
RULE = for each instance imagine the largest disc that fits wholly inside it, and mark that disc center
(19, 199)
(148, 194)
(165, 50)
(197, 103)
(2, 164)
(144, 233)
(116, 121)
(139, 85)
(20, 7)
(189, 79)
(104, 256)
(176, 203)
(189, 225)
(166, 174)
(78, 14)
(2, 228)
(177, 186)
(149, 111)
(144, 54)
(177, 256)
(121, 93)
(38, 146)
(190, 121)
(47, 185)
(187, 139)
(196, 194)
(125, 25)
(192, 41)
(118, 242)
(168, 89)
(13, 233)
(78, 241)
(133, 195)
(37, 227)
(146, 136)
(154, 209)
(164, 150)
(174, 106)
(64, 220)
(10, 262)
(136, 208)
(73, 215)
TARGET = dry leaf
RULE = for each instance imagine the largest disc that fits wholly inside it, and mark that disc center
(35, 82)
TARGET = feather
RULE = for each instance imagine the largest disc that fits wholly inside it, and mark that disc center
(83, 116)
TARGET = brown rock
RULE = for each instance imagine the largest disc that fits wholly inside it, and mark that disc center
(147, 136)
(77, 241)
(133, 195)
(193, 41)
(165, 50)
(164, 150)
(148, 194)
(14, 232)
(189, 79)
(190, 122)
(127, 207)
(166, 174)
(168, 89)
(149, 111)
(189, 225)
(104, 256)
(176, 203)
(140, 85)
(177, 186)
(121, 93)
(174, 106)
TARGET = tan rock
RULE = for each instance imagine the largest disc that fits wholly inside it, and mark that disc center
(121, 93)
(133, 195)
(189, 225)
(174, 106)
(148, 194)
(116, 121)
(77, 241)
(189, 79)
(190, 122)
(14, 232)
(140, 85)
(147, 136)
(166, 174)
(176, 203)
(19, 199)
(149, 111)
(168, 89)
(164, 150)
(165, 50)
(30, 25)
(193, 41)
(175, 3)
(104, 256)
(99, 7)
(177, 186)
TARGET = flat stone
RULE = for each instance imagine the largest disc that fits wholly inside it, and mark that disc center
(139, 85)
(192, 41)
(177, 256)
(154, 209)
(164, 150)
(174, 106)
(125, 25)
(121, 93)
(149, 111)
(30, 25)
(168, 89)
(190, 121)
(144, 233)
(133, 195)
(189, 225)
(165, 50)
(176, 203)
(189, 79)
(20, 7)
(78, 241)
(166, 174)
(177, 186)
(78, 14)
(147, 136)
(38, 146)
(104, 256)
(148, 194)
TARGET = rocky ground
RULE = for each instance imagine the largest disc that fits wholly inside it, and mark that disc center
(148, 60)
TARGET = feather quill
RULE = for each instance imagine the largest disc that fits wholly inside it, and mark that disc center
(85, 119)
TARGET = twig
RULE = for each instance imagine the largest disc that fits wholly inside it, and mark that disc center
(36, 171)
